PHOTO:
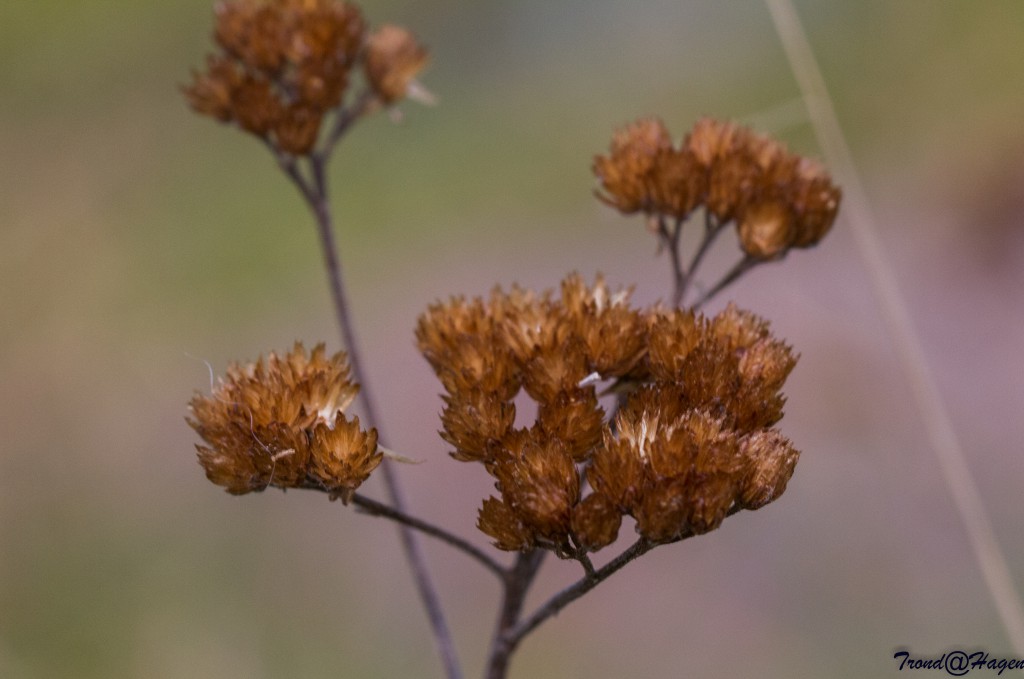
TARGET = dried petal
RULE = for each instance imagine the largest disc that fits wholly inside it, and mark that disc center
(766, 230)
(475, 422)
(343, 456)
(500, 522)
(595, 522)
(539, 482)
(771, 460)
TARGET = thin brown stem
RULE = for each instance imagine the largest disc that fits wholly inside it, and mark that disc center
(375, 508)
(588, 565)
(712, 228)
(670, 237)
(515, 635)
(314, 191)
(741, 267)
(517, 583)
(365, 103)
(379, 509)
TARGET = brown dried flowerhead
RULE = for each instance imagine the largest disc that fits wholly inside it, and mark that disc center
(778, 200)
(683, 475)
(627, 172)
(690, 445)
(281, 422)
(283, 66)
(539, 484)
(730, 365)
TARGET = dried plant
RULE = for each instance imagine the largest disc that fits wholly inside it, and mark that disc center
(661, 415)
(777, 200)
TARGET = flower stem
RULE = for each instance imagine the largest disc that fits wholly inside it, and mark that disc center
(670, 240)
(314, 192)
(741, 267)
(517, 582)
(514, 635)
(379, 509)
(711, 230)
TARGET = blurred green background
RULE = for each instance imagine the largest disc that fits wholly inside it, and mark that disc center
(138, 240)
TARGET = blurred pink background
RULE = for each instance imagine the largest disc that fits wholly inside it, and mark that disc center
(139, 240)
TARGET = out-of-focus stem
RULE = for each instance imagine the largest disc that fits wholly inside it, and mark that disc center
(670, 240)
(741, 267)
(937, 423)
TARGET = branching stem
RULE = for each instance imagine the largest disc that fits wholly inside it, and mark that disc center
(741, 267)
(670, 241)
(379, 509)
(510, 637)
(516, 585)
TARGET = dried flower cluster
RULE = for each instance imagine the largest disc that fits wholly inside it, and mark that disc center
(777, 199)
(282, 423)
(692, 443)
(284, 65)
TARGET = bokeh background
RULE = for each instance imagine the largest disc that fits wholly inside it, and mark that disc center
(138, 240)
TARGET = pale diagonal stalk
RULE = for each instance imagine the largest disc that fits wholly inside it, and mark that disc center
(944, 442)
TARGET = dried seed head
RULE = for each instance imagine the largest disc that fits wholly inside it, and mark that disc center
(575, 418)
(285, 65)
(297, 129)
(711, 139)
(475, 422)
(612, 332)
(686, 448)
(539, 483)
(672, 336)
(678, 183)
(779, 200)
(555, 370)
(281, 422)
(661, 514)
(528, 323)
(618, 471)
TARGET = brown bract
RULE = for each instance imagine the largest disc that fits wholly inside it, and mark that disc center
(281, 422)
(691, 444)
(778, 200)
